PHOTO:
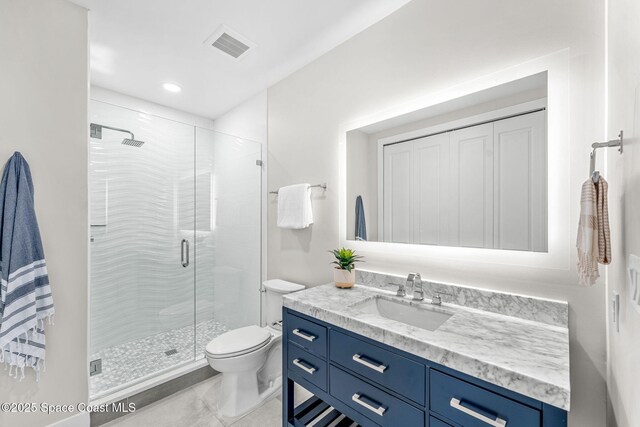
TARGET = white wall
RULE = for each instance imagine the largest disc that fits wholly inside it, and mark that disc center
(43, 114)
(424, 48)
(624, 202)
(248, 120)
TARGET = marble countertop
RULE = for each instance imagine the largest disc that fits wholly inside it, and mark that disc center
(525, 356)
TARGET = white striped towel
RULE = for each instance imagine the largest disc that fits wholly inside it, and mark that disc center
(587, 242)
(602, 209)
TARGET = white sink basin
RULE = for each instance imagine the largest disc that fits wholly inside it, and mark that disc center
(410, 313)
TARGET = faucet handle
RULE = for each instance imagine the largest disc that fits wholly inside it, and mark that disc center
(401, 289)
(437, 297)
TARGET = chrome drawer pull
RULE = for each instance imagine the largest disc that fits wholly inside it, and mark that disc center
(378, 368)
(379, 410)
(498, 422)
(304, 336)
(304, 368)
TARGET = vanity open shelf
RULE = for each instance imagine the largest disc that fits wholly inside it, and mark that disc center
(315, 412)
(373, 384)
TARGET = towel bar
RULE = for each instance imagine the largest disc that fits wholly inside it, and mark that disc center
(323, 186)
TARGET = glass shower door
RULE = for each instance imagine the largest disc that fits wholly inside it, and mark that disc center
(142, 199)
(228, 234)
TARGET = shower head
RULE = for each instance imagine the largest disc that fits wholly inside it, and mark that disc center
(96, 132)
(132, 142)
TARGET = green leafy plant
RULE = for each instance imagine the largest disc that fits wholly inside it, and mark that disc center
(345, 258)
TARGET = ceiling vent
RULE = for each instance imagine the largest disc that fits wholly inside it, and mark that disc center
(229, 42)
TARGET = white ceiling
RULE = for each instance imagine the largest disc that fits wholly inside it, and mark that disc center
(137, 45)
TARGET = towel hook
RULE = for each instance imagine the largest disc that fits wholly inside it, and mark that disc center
(612, 143)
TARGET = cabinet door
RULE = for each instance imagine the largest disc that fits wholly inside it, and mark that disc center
(431, 207)
(472, 187)
(520, 208)
(398, 185)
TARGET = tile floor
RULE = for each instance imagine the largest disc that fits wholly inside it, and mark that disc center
(137, 359)
(196, 406)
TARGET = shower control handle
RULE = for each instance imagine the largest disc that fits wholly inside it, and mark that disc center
(184, 248)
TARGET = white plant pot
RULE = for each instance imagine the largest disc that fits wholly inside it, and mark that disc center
(344, 278)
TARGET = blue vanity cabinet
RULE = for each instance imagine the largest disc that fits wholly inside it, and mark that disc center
(473, 406)
(383, 367)
(307, 334)
(434, 422)
(306, 365)
(355, 379)
(380, 407)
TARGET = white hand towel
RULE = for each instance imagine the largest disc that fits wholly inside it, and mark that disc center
(587, 244)
(294, 207)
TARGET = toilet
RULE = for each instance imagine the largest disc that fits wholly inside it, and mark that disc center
(250, 358)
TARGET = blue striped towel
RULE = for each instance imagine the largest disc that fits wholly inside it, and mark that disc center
(25, 294)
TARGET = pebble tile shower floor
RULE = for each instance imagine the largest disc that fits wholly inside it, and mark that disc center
(124, 363)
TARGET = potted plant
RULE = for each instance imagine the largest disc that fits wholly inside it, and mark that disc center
(344, 274)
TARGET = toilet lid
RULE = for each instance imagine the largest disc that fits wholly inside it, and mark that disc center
(239, 341)
(282, 286)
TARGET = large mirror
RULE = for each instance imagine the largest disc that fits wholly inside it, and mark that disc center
(470, 172)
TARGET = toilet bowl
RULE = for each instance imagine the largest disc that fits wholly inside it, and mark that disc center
(249, 358)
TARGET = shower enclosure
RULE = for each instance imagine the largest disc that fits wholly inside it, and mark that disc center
(175, 242)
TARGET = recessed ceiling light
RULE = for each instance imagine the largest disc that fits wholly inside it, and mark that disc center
(172, 87)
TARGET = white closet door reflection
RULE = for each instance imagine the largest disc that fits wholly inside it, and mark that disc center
(398, 189)
(431, 190)
(472, 186)
(482, 186)
(520, 183)
(228, 234)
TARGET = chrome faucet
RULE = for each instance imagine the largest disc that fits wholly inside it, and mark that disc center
(415, 281)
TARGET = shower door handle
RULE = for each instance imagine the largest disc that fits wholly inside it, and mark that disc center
(184, 249)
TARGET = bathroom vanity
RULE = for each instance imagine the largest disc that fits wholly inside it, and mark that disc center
(376, 359)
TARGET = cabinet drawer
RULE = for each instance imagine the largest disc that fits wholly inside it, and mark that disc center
(434, 422)
(375, 404)
(390, 370)
(306, 334)
(307, 366)
(474, 406)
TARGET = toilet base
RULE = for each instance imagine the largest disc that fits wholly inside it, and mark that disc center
(239, 393)
(249, 379)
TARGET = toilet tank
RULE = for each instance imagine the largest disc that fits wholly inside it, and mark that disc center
(274, 289)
